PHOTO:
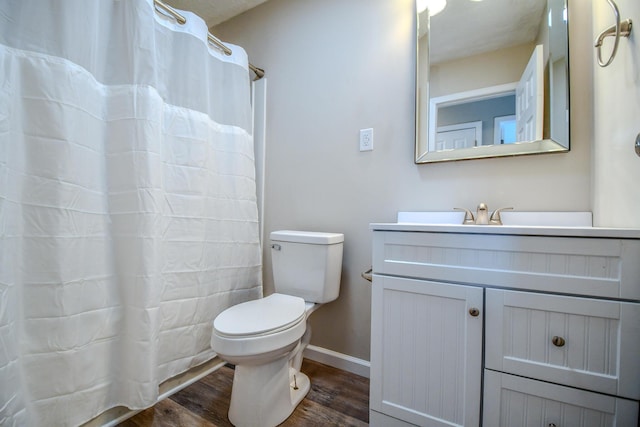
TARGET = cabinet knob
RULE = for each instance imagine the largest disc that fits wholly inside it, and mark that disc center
(558, 342)
(552, 424)
(474, 312)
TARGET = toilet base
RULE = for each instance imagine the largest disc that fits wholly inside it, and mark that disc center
(300, 386)
(266, 395)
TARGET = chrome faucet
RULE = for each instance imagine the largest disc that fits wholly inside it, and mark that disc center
(482, 215)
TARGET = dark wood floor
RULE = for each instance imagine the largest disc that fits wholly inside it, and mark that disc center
(336, 398)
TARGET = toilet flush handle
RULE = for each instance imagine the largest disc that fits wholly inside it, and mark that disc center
(276, 247)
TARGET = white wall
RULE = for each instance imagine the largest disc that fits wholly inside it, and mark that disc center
(616, 177)
(479, 71)
(337, 66)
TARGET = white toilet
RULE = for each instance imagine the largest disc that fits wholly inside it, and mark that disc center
(265, 338)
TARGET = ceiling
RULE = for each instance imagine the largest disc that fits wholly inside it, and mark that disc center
(467, 27)
(462, 28)
(215, 11)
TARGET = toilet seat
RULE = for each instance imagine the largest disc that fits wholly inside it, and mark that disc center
(260, 317)
(259, 326)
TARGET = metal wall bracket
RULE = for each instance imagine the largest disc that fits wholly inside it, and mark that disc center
(619, 29)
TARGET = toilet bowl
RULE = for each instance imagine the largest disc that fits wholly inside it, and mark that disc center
(266, 385)
(265, 338)
(257, 329)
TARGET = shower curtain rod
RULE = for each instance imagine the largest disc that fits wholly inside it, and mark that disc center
(259, 72)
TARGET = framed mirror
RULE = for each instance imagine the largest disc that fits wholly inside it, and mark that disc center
(492, 79)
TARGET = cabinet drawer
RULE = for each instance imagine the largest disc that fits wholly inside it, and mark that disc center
(596, 348)
(606, 268)
(511, 401)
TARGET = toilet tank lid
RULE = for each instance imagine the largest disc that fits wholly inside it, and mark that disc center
(312, 237)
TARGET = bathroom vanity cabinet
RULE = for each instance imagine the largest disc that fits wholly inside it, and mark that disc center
(505, 326)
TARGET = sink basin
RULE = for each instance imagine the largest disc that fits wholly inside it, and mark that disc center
(509, 218)
(432, 218)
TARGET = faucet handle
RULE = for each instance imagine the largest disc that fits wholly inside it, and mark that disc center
(468, 216)
(495, 216)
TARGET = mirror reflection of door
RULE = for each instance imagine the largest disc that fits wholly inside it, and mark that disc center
(490, 108)
(504, 130)
(461, 135)
(529, 98)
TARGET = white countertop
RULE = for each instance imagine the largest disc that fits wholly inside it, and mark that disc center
(619, 233)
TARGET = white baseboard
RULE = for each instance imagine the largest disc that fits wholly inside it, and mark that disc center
(338, 360)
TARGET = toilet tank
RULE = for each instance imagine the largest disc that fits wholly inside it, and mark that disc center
(307, 264)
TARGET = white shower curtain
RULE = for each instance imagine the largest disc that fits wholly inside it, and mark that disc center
(128, 216)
